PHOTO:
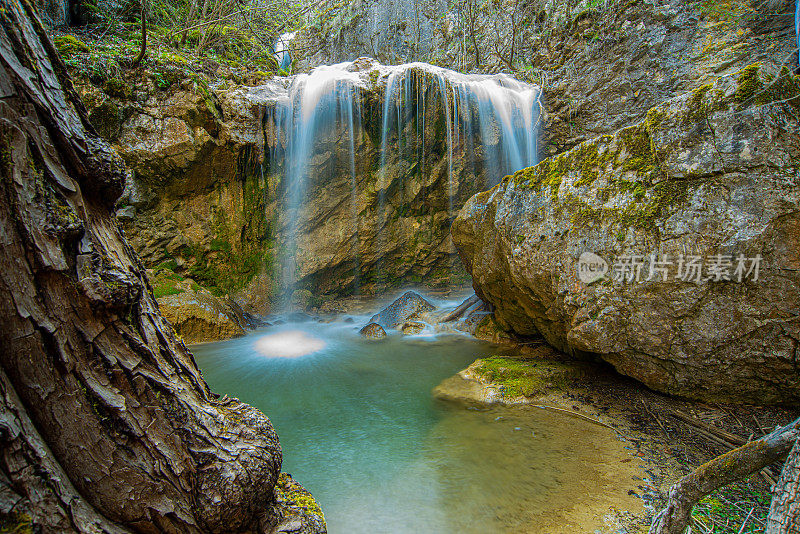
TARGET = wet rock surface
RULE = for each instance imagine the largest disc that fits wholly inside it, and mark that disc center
(373, 331)
(409, 305)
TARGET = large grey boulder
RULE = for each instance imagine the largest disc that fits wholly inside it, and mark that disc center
(408, 306)
(712, 174)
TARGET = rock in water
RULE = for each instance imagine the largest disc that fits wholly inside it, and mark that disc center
(373, 331)
(407, 306)
(709, 179)
(412, 328)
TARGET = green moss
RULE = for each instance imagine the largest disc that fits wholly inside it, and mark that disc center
(69, 45)
(546, 175)
(165, 282)
(591, 161)
(169, 264)
(16, 523)
(698, 111)
(654, 120)
(638, 155)
(755, 91)
(293, 494)
(177, 59)
(525, 378)
(661, 197)
(749, 84)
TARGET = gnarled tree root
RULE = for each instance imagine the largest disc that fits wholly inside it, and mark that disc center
(729, 467)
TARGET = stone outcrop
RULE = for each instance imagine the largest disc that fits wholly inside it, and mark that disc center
(710, 176)
(196, 200)
(410, 305)
(604, 68)
(513, 380)
(198, 316)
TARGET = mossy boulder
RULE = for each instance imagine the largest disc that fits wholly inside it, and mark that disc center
(710, 177)
(69, 45)
(199, 317)
(513, 379)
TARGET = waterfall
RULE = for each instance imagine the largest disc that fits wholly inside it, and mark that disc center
(797, 30)
(443, 136)
(498, 113)
(502, 111)
(318, 106)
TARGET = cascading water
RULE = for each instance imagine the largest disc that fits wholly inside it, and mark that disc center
(318, 106)
(501, 112)
(443, 136)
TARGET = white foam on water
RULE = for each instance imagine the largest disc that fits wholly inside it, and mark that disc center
(288, 344)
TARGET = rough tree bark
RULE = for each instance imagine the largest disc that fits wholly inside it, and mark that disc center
(784, 513)
(143, 47)
(106, 424)
(730, 467)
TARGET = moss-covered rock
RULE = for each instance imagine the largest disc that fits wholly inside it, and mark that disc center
(199, 317)
(294, 509)
(68, 45)
(514, 379)
(711, 175)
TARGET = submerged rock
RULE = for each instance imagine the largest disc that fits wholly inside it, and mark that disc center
(408, 306)
(373, 331)
(411, 328)
(695, 212)
(198, 316)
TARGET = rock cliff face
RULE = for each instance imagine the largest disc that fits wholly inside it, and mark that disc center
(709, 177)
(196, 201)
(602, 65)
(208, 197)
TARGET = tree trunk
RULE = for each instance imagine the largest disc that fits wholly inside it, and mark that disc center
(784, 513)
(106, 423)
(729, 467)
(143, 47)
